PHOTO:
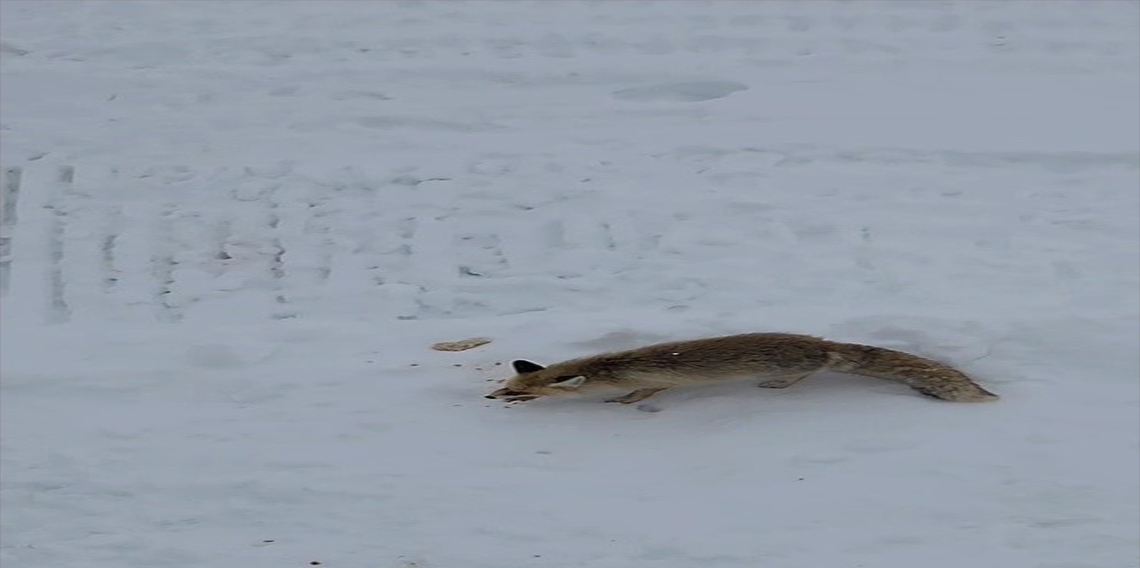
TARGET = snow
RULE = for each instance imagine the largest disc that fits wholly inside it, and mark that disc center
(233, 230)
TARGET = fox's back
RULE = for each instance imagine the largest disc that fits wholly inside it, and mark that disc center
(715, 357)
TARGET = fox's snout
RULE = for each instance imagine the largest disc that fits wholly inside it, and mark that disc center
(503, 392)
(511, 395)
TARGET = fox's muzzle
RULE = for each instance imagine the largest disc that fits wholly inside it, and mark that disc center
(511, 395)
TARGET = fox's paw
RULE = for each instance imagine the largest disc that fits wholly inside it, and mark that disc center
(956, 392)
(775, 384)
(635, 396)
(782, 382)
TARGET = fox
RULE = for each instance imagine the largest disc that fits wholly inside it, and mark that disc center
(779, 360)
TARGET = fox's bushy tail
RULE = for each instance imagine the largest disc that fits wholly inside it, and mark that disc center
(928, 377)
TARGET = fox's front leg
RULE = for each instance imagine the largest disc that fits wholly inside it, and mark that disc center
(782, 382)
(636, 396)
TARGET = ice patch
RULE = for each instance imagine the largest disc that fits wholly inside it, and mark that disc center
(689, 92)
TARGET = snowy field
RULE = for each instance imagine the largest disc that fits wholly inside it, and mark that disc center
(231, 231)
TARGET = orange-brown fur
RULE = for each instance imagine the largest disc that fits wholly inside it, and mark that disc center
(779, 359)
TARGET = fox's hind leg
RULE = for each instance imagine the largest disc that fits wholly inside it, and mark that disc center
(636, 396)
(783, 381)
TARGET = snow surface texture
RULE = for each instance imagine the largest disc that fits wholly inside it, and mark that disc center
(231, 232)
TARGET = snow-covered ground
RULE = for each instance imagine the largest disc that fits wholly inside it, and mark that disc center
(232, 230)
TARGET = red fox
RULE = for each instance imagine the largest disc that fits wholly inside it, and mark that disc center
(779, 359)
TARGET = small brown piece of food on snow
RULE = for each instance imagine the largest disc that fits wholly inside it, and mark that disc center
(462, 345)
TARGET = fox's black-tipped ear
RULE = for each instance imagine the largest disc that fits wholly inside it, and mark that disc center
(522, 366)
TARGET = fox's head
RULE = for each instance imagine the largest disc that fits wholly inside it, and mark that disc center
(534, 381)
